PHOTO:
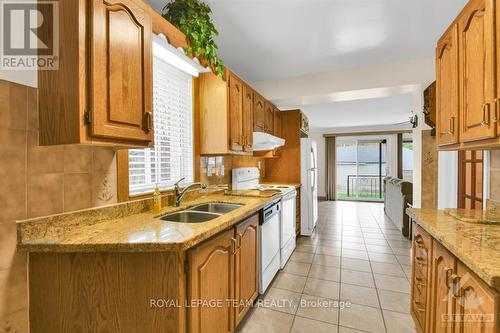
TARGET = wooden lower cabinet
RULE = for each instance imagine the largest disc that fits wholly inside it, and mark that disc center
(421, 258)
(446, 296)
(246, 266)
(443, 302)
(223, 270)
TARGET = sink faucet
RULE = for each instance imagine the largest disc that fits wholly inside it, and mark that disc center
(179, 194)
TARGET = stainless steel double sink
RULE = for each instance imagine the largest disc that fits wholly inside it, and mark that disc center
(201, 213)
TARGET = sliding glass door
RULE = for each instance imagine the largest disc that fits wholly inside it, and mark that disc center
(360, 169)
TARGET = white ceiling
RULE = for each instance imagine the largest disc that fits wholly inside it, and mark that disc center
(375, 112)
(270, 39)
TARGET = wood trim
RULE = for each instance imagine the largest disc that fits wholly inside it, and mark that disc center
(366, 133)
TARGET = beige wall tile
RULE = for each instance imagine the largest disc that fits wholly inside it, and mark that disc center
(104, 188)
(32, 109)
(104, 159)
(46, 159)
(12, 174)
(77, 159)
(77, 191)
(13, 290)
(13, 102)
(9, 257)
(45, 194)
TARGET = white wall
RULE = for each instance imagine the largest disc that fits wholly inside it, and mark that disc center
(392, 154)
(321, 142)
(27, 78)
(447, 179)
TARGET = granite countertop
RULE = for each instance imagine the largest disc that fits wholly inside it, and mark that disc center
(297, 185)
(130, 227)
(477, 245)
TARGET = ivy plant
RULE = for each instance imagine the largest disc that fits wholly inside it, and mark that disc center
(192, 17)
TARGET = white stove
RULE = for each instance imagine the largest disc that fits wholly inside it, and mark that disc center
(277, 242)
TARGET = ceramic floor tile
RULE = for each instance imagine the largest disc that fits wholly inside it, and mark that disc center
(318, 308)
(395, 301)
(404, 260)
(302, 257)
(343, 329)
(356, 264)
(325, 273)
(363, 318)
(364, 279)
(387, 269)
(383, 257)
(407, 270)
(352, 239)
(282, 300)
(353, 246)
(269, 321)
(305, 325)
(378, 249)
(354, 254)
(322, 288)
(325, 260)
(331, 251)
(398, 322)
(305, 248)
(392, 283)
(372, 241)
(359, 295)
(298, 268)
(290, 282)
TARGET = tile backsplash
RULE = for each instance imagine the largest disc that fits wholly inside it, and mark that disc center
(37, 181)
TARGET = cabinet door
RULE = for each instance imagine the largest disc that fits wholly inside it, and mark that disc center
(443, 301)
(211, 278)
(247, 117)
(476, 306)
(258, 113)
(246, 278)
(447, 87)
(121, 73)
(269, 120)
(421, 259)
(236, 113)
(476, 71)
(277, 123)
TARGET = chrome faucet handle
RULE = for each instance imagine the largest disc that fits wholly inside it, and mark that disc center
(178, 182)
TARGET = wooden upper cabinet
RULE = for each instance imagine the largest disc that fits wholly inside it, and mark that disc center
(211, 278)
(443, 301)
(246, 265)
(121, 74)
(247, 118)
(277, 123)
(102, 91)
(447, 87)
(477, 71)
(268, 118)
(236, 113)
(259, 118)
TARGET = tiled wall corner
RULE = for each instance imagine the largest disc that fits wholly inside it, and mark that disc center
(37, 181)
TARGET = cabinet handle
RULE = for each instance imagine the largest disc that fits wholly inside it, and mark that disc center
(452, 125)
(447, 275)
(486, 110)
(418, 306)
(148, 117)
(497, 112)
(234, 245)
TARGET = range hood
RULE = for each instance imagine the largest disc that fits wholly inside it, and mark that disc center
(264, 141)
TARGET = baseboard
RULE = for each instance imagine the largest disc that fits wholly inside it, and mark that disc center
(322, 198)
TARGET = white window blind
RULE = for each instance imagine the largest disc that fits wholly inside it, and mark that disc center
(172, 155)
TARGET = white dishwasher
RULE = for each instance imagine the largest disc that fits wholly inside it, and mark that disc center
(269, 237)
(287, 239)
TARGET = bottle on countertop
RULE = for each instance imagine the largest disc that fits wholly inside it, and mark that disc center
(157, 200)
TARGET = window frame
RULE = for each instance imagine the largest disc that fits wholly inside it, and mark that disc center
(122, 163)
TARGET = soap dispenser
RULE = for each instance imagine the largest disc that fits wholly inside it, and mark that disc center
(157, 200)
